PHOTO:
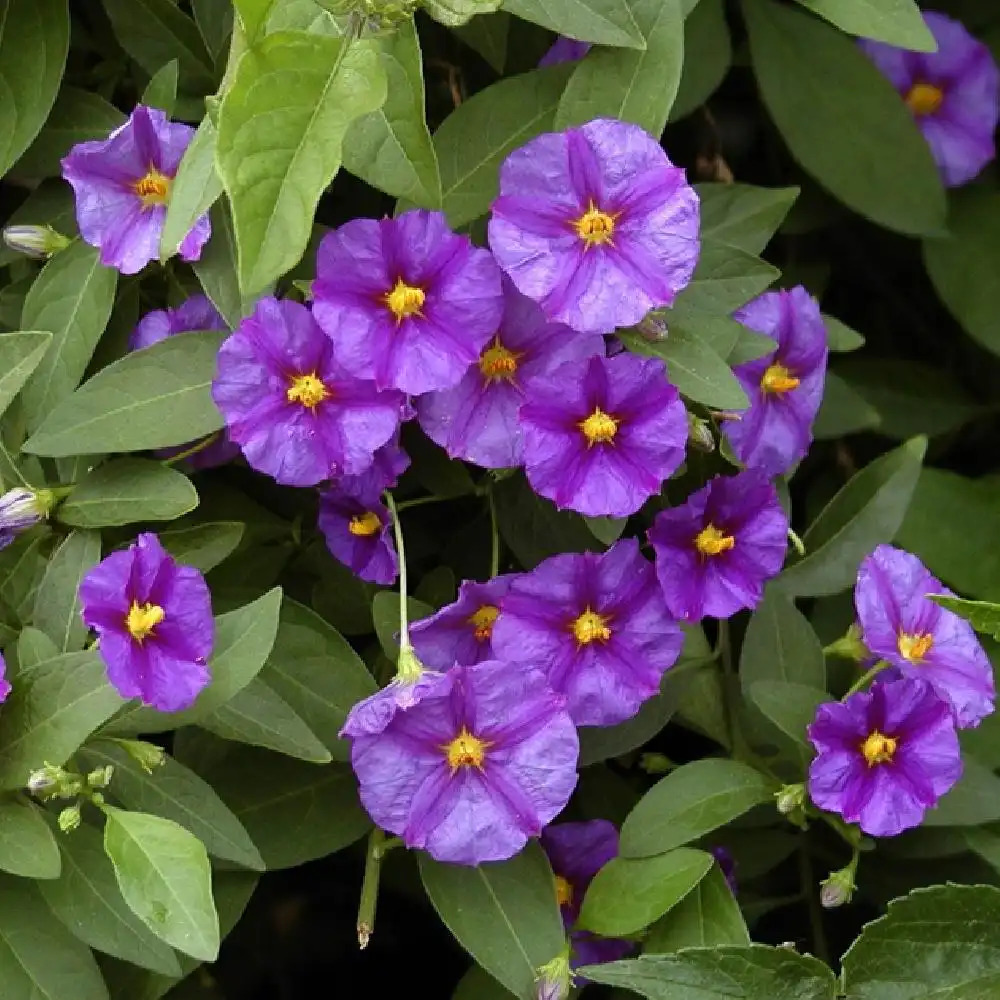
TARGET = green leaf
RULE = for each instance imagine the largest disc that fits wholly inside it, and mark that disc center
(215, 23)
(708, 915)
(843, 411)
(707, 34)
(161, 91)
(897, 22)
(487, 34)
(20, 354)
(33, 647)
(505, 915)
(152, 398)
(742, 215)
(457, 12)
(821, 89)
(57, 603)
(604, 22)
(34, 40)
(127, 490)
(840, 337)
(478, 984)
(975, 800)
(22, 566)
(216, 268)
(690, 802)
(385, 613)
(175, 793)
(164, 876)
(935, 943)
(51, 203)
(780, 645)
(27, 847)
(86, 898)
(205, 545)
(479, 134)
(628, 894)
(598, 743)
(72, 299)
(253, 15)
(725, 279)
(791, 707)
(633, 85)
(983, 616)
(281, 130)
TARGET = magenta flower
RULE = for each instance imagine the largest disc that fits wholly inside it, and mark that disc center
(297, 415)
(462, 632)
(358, 532)
(785, 388)
(884, 756)
(596, 225)
(154, 624)
(953, 94)
(5, 687)
(597, 624)
(601, 435)
(406, 301)
(483, 761)
(715, 552)
(477, 419)
(564, 50)
(122, 186)
(901, 625)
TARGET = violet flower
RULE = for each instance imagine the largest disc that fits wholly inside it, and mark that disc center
(358, 532)
(20, 509)
(564, 50)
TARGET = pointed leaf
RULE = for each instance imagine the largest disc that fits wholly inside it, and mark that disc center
(708, 915)
(20, 354)
(27, 847)
(896, 22)
(57, 603)
(604, 22)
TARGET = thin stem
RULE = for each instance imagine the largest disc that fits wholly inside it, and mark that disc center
(864, 679)
(369, 887)
(797, 542)
(404, 625)
(811, 890)
(194, 449)
(495, 534)
(418, 502)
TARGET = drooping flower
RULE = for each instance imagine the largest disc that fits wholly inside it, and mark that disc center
(20, 509)
(785, 388)
(389, 464)
(477, 419)
(358, 532)
(597, 624)
(371, 715)
(901, 625)
(461, 632)
(154, 624)
(953, 93)
(406, 301)
(564, 50)
(122, 186)
(601, 435)
(294, 411)
(5, 687)
(715, 551)
(884, 756)
(483, 761)
(595, 224)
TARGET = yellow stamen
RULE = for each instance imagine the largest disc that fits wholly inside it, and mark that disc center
(364, 525)
(878, 749)
(465, 750)
(710, 541)
(599, 427)
(778, 379)
(924, 99)
(404, 300)
(914, 647)
(591, 627)
(595, 227)
(497, 362)
(153, 189)
(142, 619)
(482, 621)
(564, 891)
(307, 390)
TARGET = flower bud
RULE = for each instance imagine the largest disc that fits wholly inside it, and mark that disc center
(554, 978)
(37, 242)
(408, 667)
(147, 755)
(44, 781)
(100, 777)
(837, 889)
(700, 434)
(652, 328)
(790, 798)
(850, 647)
(655, 763)
(20, 509)
(69, 819)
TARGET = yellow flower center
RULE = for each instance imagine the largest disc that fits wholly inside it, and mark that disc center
(595, 227)
(599, 427)
(564, 891)
(710, 541)
(878, 749)
(307, 390)
(497, 362)
(482, 621)
(591, 627)
(914, 647)
(365, 525)
(465, 750)
(142, 619)
(404, 300)
(924, 99)
(153, 189)
(778, 379)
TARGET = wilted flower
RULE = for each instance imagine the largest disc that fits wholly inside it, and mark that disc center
(358, 532)
(20, 509)
(37, 242)
(371, 715)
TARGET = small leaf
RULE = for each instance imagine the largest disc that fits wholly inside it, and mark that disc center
(896, 22)
(791, 707)
(27, 847)
(975, 800)
(161, 91)
(20, 354)
(742, 215)
(205, 545)
(780, 645)
(604, 22)
(57, 603)
(385, 613)
(457, 12)
(983, 616)
(253, 15)
(707, 34)
(708, 915)
(487, 35)
(840, 337)
(725, 279)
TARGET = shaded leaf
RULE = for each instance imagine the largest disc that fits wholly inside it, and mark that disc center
(57, 602)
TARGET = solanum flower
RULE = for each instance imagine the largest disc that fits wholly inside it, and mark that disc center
(358, 532)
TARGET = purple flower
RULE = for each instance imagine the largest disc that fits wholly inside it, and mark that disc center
(953, 94)
(727, 865)
(884, 756)
(5, 687)
(154, 624)
(483, 761)
(597, 624)
(715, 551)
(461, 632)
(601, 435)
(406, 301)
(389, 464)
(371, 715)
(20, 509)
(595, 224)
(297, 415)
(785, 388)
(899, 624)
(358, 532)
(122, 186)
(477, 419)
(564, 50)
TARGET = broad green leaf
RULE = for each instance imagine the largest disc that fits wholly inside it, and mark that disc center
(897, 22)
(161, 91)
(51, 711)
(725, 279)
(39, 958)
(127, 490)
(457, 12)
(385, 614)
(57, 603)
(690, 802)
(865, 512)
(253, 15)
(975, 800)
(175, 793)
(195, 189)
(936, 943)
(706, 33)
(165, 878)
(20, 354)
(86, 898)
(216, 268)
(505, 915)
(983, 616)
(27, 847)
(487, 34)
(742, 215)
(708, 915)
(633, 85)
(821, 90)
(479, 134)
(72, 300)
(34, 40)
(33, 647)
(22, 566)
(205, 545)
(780, 645)
(281, 130)
(628, 894)
(391, 148)
(604, 22)
(153, 398)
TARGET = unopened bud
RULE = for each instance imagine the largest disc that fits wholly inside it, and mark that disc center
(652, 328)
(44, 781)
(837, 889)
(790, 798)
(146, 755)
(100, 777)
(655, 763)
(69, 819)
(408, 666)
(20, 509)
(555, 978)
(700, 434)
(850, 647)
(37, 242)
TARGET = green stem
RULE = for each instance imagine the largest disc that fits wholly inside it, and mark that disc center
(797, 542)
(404, 625)
(495, 534)
(810, 889)
(194, 449)
(369, 887)
(418, 502)
(865, 678)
